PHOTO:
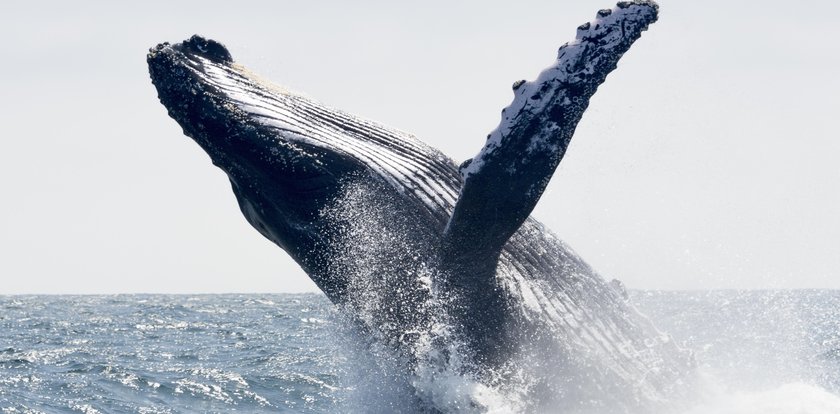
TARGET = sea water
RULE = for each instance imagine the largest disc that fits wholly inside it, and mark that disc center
(757, 352)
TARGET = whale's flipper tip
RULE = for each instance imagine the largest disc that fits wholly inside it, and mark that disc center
(627, 4)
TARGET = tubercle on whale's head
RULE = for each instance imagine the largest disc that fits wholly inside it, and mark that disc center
(279, 179)
(196, 45)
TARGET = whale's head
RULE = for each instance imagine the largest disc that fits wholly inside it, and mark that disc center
(280, 177)
(287, 156)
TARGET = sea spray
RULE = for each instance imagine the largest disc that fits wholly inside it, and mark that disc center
(375, 245)
(413, 359)
(403, 321)
(787, 398)
(761, 351)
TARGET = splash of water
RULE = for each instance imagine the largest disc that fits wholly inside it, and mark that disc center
(796, 397)
(387, 264)
(420, 370)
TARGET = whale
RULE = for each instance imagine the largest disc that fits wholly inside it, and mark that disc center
(437, 260)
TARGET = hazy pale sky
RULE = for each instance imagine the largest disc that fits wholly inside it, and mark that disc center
(709, 158)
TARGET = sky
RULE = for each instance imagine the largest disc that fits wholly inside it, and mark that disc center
(708, 159)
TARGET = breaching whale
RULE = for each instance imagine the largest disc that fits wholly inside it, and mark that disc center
(421, 250)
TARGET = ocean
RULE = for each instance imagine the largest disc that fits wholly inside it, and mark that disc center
(757, 352)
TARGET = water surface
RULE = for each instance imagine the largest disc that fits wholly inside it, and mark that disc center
(758, 352)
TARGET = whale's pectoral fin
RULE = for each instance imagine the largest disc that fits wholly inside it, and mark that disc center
(503, 183)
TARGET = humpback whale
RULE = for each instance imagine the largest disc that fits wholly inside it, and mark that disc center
(439, 261)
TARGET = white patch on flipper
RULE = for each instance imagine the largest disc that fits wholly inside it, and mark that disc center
(560, 72)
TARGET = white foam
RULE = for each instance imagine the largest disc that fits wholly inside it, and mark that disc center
(791, 398)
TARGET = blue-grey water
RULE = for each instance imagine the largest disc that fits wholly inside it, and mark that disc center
(288, 353)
